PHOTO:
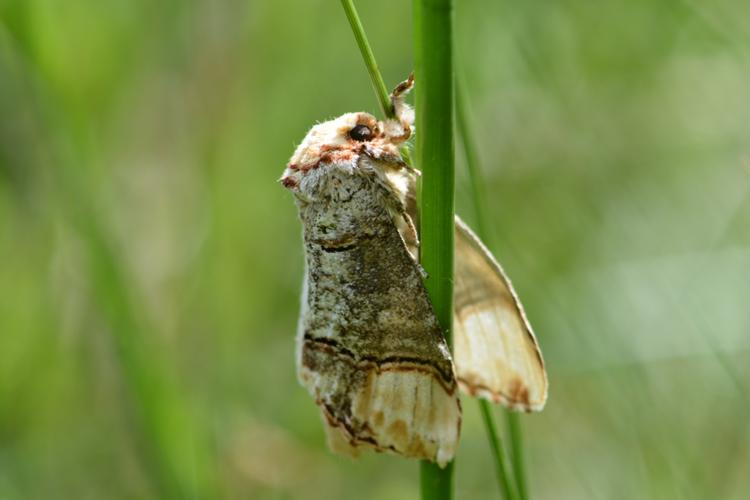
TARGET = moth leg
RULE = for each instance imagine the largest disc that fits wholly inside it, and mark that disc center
(409, 234)
(404, 113)
(412, 236)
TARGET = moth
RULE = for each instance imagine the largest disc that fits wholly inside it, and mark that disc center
(369, 347)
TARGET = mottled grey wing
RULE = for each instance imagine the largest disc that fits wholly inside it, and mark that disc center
(371, 351)
(495, 351)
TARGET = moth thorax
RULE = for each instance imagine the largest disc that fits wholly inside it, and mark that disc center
(348, 207)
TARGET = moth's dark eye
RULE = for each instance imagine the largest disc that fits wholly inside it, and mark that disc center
(361, 133)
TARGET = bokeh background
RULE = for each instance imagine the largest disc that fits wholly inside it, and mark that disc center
(150, 264)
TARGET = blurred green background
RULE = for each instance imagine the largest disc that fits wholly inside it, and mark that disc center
(150, 264)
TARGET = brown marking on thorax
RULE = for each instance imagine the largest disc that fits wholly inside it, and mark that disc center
(289, 182)
(328, 154)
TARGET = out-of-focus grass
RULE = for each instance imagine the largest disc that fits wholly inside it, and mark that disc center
(616, 148)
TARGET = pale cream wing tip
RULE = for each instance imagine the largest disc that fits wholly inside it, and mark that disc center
(496, 353)
(408, 413)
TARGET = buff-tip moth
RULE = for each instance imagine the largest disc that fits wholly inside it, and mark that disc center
(369, 347)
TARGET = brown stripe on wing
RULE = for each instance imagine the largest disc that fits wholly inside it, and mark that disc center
(385, 363)
(518, 398)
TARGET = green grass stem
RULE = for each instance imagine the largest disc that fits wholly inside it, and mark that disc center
(501, 467)
(433, 54)
(466, 134)
(512, 419)
(477, 195)
(381, 91)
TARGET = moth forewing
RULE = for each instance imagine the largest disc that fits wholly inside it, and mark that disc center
(372, 352)
(496, 354)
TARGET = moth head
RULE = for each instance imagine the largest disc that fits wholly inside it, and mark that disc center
(344, 141)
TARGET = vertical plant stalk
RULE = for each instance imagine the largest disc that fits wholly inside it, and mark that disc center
(369, 58)
(501, 467)
(433, 54)
(466, 134)
(477, 195)
(513, 423)
(516, 453)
